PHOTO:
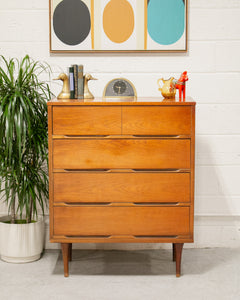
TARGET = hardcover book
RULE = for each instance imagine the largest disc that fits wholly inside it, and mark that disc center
(71, 82)
(80, 87)
(75, 71)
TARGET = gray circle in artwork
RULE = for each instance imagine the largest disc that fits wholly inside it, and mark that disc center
(71, 21)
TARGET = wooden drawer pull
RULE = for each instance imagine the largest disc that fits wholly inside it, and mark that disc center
(87, 236)
(126, 136)
(87, 203)
(84, 136)
(85, 170)
(117, 204)
(93, 136)
(120, 236)
(121, 171)
(99, 204)
(155, 203)
(136, 136)
(155, 236)
(100, 170)
(72, 137)
(125, 170)
(156, 136)
(158, 170)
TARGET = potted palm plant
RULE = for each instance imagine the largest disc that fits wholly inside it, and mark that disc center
(23, 157)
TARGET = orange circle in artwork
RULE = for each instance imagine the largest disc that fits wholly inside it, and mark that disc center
(118, 20)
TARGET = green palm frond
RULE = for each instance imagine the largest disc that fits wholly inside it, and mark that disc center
(23, 134)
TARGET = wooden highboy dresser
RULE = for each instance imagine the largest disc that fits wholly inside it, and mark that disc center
(121, 172)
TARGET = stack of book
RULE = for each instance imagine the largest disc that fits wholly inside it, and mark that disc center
(76, 82)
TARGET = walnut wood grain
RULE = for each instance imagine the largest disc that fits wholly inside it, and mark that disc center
(122, 239)
(151, 120)
(86, 120)
(102, 221)
(120, 187)
(178, 258)
(119, 153)
(65, 254)
(141, 101)
(121, 172)
(192, 184)
(50, 169)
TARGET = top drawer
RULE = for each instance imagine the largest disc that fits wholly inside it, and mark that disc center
(95, 120)
(156, 120)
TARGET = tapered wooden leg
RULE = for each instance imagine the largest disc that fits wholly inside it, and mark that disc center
(178, 249)
(70, 252)
(173, 252)
(65, 255)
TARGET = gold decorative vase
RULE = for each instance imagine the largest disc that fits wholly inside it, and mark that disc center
(168, 89)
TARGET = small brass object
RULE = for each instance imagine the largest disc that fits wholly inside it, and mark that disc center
(168, 89)
(65, 93)
(87, 93)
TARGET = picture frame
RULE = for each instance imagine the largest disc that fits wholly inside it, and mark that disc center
(102, 26)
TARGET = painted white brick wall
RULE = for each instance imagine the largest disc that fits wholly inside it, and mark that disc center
(213, 63)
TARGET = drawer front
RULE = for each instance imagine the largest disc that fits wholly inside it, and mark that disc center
(136, 221)
(119, 153)
(121, 187)
(77, 120)
(169, 120)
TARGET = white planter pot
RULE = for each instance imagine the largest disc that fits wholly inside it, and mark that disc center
(20, 243)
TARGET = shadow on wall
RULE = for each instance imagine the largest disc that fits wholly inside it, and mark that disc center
(214, 185)
(217, 205)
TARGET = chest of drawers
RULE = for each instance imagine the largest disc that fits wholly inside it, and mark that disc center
(121, 172)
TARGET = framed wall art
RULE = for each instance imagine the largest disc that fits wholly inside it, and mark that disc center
(118, 25)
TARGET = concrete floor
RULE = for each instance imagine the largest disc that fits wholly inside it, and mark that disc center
(207, 274)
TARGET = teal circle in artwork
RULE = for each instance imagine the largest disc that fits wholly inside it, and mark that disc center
(166, 20)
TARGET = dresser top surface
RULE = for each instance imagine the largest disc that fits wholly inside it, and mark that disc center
(140, 101)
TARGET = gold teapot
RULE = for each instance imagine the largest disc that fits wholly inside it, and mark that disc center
(168, 89)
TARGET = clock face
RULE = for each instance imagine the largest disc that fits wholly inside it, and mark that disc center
(120, 88)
